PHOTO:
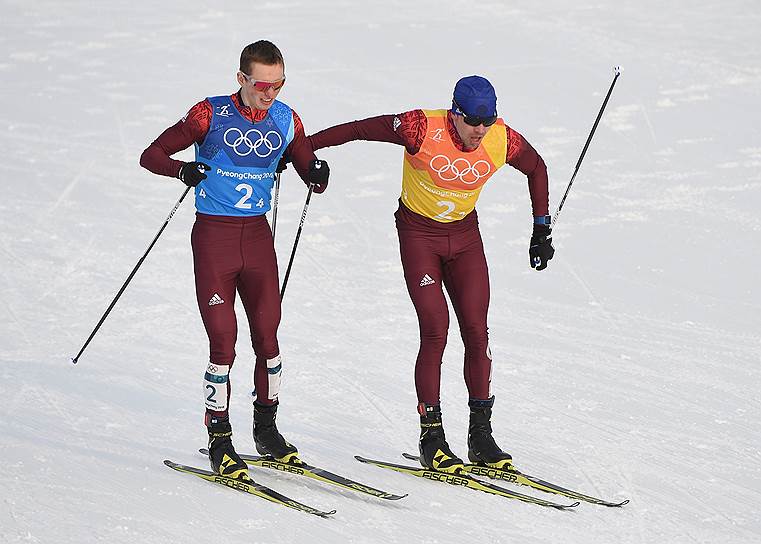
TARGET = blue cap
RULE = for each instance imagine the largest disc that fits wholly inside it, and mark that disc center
(475, 96)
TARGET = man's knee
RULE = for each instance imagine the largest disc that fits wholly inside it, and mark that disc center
(433, 338)
(222, 348)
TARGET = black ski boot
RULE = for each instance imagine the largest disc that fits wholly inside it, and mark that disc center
(267, 438)
(481, 446)
(222, 455)
(434, 450)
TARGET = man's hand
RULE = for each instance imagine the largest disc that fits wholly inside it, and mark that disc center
(283, 164)
(540, 249)
(192, 173)
(319, 172)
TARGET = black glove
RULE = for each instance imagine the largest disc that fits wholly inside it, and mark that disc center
(283, 164)
(319, 172)
(192, 173)
(540, 250)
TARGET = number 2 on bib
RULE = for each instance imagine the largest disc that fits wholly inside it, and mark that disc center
(450, 206)
(247, 190)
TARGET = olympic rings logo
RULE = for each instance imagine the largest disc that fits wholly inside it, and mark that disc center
(243, 145)
(460, 168)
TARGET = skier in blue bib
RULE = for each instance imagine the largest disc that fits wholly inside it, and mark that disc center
(239, 142)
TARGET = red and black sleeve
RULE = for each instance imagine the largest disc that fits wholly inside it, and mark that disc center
(406, 129)
(191, 129)
(522, 156)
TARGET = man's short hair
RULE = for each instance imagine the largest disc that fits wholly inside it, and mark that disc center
(263, 52)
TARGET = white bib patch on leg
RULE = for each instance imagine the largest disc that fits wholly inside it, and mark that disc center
(274, 375)
(216, 386)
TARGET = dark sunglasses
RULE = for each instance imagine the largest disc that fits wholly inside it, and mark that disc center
(474, 120)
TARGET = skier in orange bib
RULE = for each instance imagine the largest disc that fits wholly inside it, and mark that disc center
(449, 156)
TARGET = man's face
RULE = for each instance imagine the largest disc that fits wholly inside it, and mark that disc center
(255, 97)
(471, 136)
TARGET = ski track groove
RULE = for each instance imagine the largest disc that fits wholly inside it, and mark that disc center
(83, 170)
(18, 322)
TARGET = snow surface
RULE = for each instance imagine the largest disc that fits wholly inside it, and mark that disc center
(629, 369)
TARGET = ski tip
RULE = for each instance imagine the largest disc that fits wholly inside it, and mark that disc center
(203, 451)
(618, 504)
(573, 505)
(170, 464)
(360, 459)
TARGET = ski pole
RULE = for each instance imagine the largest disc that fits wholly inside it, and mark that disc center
(274, 204)
(131, 275)
(296, 241)
(617, 71)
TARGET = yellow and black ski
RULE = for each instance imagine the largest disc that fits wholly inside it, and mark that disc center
(464, 480)
(247, 485)
(300, 468)
(514, 476)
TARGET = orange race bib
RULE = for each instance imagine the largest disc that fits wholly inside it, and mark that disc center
(443, 183)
